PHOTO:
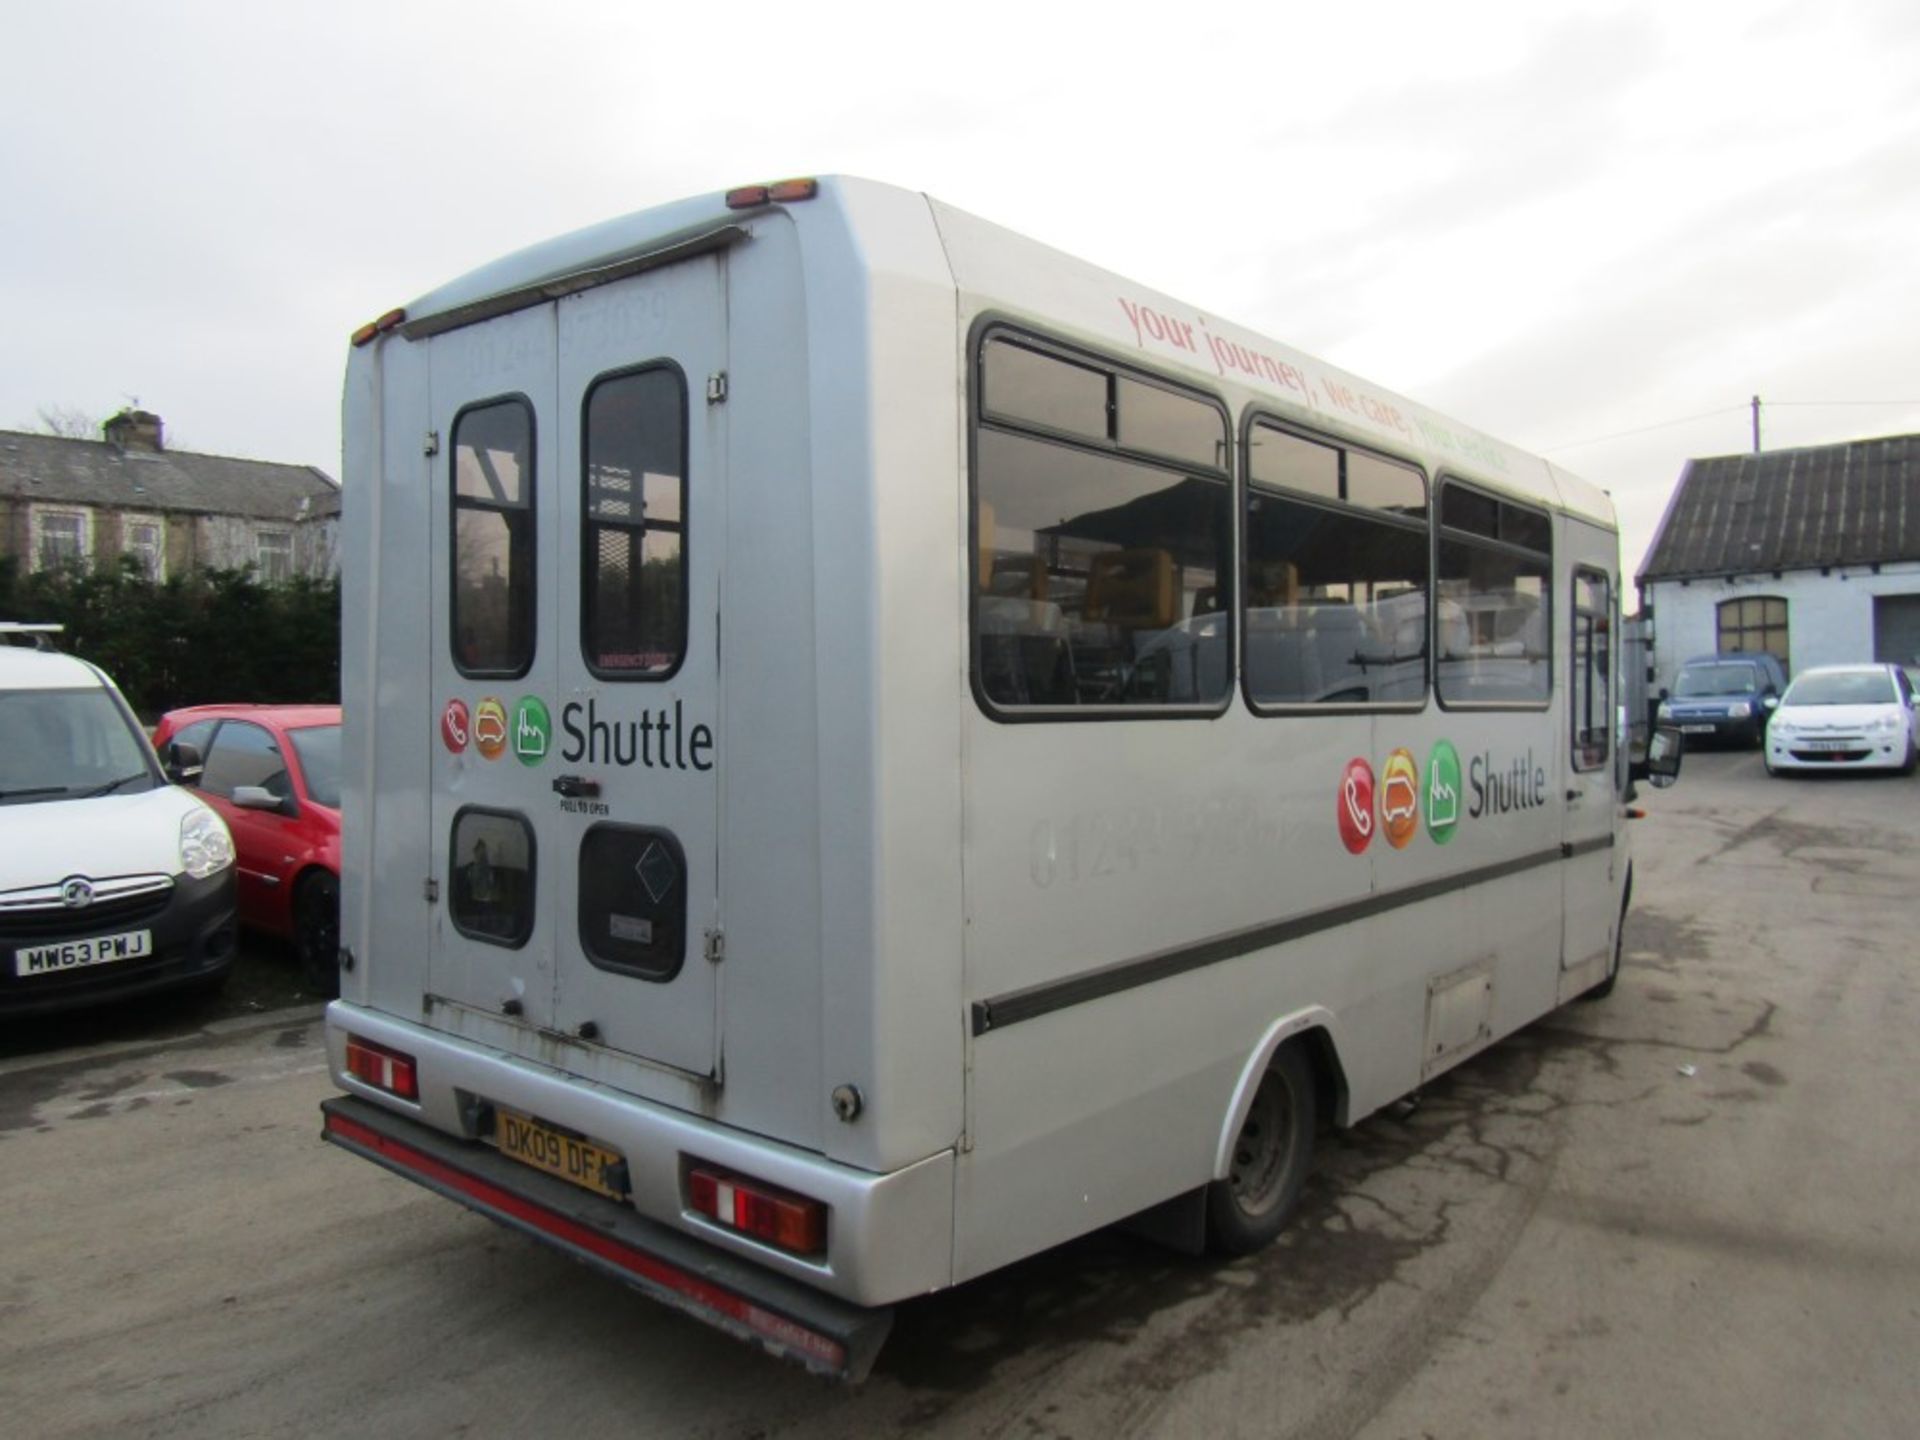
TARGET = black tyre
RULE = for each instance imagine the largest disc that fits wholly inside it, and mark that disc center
(1913, 758)
(316, 932)
(1271, 1157)
(1605, 987)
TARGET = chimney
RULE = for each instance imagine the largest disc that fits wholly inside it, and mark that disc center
(134, 430)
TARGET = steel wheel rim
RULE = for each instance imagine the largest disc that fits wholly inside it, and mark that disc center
(1263, 1150)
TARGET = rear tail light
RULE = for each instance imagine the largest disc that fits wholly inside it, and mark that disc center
(382, 1068)
(778, 1217)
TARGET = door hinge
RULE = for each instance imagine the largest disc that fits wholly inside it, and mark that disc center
(717, 388)
(432, 892)
(716, 947)
(432, 446)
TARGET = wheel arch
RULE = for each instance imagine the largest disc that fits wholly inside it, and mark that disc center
(1316, 1031)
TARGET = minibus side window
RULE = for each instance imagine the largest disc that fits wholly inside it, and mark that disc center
(633, 575)
(1102, 533)
(492, 623)
(1592, 669)
(1337, 560)
(1493, 601)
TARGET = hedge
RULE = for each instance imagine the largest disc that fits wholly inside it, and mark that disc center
(212, 636)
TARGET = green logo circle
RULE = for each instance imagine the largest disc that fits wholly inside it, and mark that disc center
(1443, 792)
(532, 730)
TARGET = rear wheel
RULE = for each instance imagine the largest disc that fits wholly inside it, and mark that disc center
(1271, 1157)
(316, 932)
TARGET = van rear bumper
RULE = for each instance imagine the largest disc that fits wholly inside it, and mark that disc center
(889, 1234)
(825, 1334)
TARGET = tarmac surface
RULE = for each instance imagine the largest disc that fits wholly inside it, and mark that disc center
(1686, 1210)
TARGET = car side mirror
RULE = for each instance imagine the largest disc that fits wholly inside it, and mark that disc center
(258, 797)
(1660, 767)
(1770, 701)
(183, 763)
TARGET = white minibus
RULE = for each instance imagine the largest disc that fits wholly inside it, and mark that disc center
(875, 747)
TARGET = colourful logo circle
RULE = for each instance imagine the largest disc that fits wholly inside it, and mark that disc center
(1400, 798)
(1443, 792)
(532, 730)
(456, 726)
(1353, 806)
(490, 728)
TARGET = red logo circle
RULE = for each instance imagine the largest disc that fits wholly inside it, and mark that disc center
(1353, 806)
(455, 726)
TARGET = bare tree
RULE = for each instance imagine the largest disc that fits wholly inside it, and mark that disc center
(69, 422)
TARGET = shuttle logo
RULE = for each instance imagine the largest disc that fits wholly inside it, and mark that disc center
(532, 730)
(1400, 798)
(1353, 806)
(456, 726)
(490, 728)
(1443, 792)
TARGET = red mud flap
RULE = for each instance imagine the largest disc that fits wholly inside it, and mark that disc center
(826, 1334)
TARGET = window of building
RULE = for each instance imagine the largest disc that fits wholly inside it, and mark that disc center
(633, 606)
(1592, 669)
(273, 555)
(1337, 562)
(1102, 535)
(492, 622)
(1492, 601)
(1753, 622)
(62, 538)
(144, 538)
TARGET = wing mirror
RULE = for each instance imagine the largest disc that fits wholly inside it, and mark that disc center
(183, 765)
(1660, 767)
(258, 797)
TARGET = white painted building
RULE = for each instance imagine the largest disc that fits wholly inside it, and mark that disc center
(1812, 554)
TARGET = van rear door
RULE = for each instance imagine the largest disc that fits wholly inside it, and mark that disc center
(575, 671)
(636, 885)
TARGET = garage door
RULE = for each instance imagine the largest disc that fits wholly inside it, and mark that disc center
(1896, 628)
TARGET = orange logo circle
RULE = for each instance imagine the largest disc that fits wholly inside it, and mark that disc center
(1400, 798)
(490, 728)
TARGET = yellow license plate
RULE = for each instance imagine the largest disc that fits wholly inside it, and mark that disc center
(571, 1157)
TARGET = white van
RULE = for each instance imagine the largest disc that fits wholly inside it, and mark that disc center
(113, 882)
(874, 747)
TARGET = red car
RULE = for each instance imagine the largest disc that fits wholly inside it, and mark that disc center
(273, 773)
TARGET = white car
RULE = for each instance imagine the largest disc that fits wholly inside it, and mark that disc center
(1844, 717)
(112, 881)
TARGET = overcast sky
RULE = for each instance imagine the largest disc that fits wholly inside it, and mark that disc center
(1558, 222)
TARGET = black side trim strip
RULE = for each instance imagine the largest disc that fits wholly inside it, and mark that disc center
(666, 252)
(1587, 847)
(1000, 1011)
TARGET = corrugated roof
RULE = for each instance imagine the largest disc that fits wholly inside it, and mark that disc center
(1851, 504)
(92, 472)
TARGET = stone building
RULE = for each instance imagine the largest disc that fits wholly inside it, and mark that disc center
(89, 502)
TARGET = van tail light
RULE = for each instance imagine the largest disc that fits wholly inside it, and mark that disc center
(382, 1068)
(778, 1217)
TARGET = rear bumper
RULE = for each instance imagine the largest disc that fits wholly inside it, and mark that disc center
(889, 1235)
(825, 1334)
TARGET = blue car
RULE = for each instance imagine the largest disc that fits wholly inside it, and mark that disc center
(1725, 697)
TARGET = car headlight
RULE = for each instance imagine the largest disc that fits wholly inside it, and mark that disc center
(1739, 710)
(1665, 712)
(205, 846)
(1780, 730)
(1885, 724)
